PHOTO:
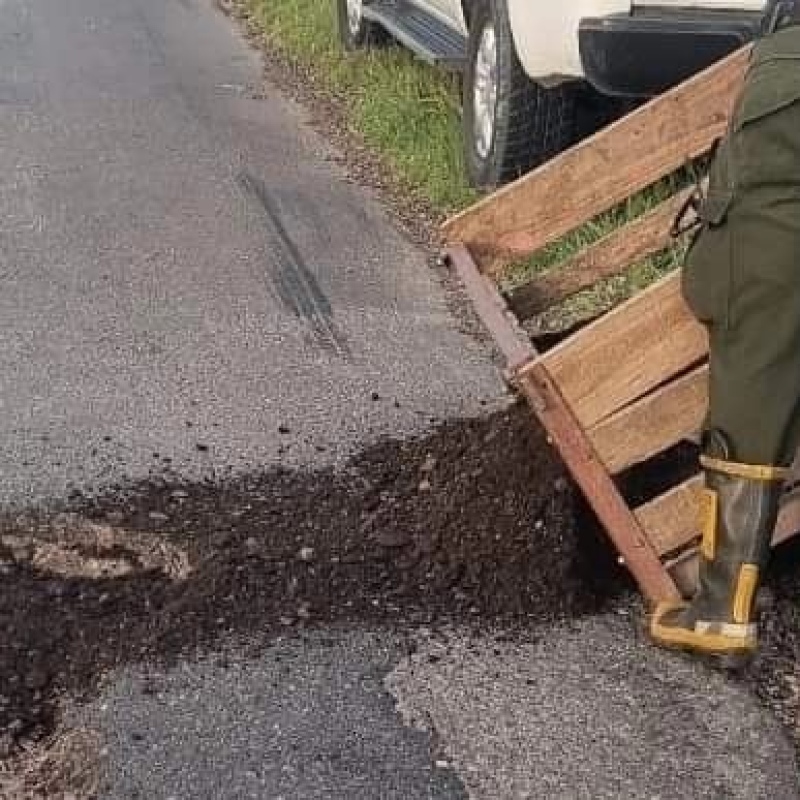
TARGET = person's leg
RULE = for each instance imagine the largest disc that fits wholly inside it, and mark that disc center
(742, 279)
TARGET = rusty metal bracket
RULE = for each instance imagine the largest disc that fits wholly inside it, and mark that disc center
(635, 550)
(508, 335)
(529, 376)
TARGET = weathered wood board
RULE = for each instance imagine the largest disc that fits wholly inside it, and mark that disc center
(633, 383)
(602, 172)
(658, 421)
(627, 353)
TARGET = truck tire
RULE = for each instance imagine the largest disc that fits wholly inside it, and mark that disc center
(355, 32)
(511, 124)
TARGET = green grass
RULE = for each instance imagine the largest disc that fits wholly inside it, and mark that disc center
(405, 110)
(562, 250)
(610, 292)
(409, 113)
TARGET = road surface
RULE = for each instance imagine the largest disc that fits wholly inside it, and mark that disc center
(189, 282)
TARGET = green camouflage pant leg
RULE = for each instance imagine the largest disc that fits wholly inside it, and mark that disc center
(742, 276)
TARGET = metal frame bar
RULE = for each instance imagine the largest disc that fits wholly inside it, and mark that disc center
(532, 379)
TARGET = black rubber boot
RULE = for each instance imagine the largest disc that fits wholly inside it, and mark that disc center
(739, 511)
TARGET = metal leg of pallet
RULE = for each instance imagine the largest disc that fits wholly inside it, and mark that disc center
(597, 484)
(512, 341)
(535, 383)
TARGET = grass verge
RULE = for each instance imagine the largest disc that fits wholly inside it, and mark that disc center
(408, 112)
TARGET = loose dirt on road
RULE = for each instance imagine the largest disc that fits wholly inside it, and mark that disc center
(473, 523)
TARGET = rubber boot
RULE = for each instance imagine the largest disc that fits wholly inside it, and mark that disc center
(739, 512)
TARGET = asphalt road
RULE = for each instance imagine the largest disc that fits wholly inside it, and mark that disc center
(187, 279)
(177, 252)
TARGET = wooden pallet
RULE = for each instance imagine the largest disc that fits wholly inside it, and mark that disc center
(633, 383)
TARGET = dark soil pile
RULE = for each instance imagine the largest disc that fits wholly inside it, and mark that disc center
(474, 522)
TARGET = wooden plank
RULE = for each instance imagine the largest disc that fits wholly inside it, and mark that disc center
(511, 340)
(612, 255)
(627, 353)
(603, 171)
(597, 485)
(671, 520)
(652, 424)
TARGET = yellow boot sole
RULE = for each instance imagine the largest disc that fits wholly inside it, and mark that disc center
(707, 638)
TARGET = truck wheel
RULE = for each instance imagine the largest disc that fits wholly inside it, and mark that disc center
(355, 32)
(511, 124)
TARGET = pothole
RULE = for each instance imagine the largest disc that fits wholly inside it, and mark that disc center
(69, 546)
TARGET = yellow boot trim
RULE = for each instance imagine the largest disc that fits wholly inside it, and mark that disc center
(753, 472)
(709, 509)
(709, 638)
(746, 588)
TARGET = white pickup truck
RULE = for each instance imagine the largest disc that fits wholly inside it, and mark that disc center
(529, 65)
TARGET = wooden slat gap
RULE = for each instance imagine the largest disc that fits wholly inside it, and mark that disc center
(642, 238)
(601, 172)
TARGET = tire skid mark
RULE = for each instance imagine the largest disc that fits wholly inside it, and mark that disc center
(296, 286)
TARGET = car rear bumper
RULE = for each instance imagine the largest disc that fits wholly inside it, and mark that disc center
(643, 54)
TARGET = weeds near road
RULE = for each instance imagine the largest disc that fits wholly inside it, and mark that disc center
(409, 113)
(404, 109)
